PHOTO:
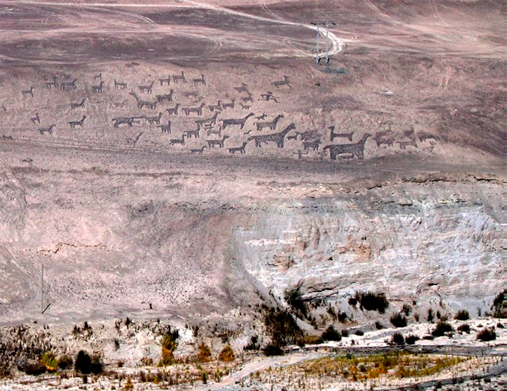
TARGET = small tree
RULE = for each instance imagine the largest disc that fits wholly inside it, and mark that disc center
(331, 334)
(83, 362)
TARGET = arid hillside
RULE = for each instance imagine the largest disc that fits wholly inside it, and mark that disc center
(185, 157)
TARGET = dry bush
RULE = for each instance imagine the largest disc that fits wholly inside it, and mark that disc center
(227, 354)
(462, 315)
(487, 334)
(398, 320)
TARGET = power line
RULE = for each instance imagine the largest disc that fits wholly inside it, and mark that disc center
(326, 24)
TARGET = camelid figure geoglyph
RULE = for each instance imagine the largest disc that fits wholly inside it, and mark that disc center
(356, 149)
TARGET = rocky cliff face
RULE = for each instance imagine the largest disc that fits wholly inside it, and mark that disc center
(159, 241)
(414, 242)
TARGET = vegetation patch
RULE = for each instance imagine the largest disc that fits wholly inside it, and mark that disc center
(398, 320)
(462, 315)
(372, 301)
(441, 328)
(331, 334)
(227, 354)
(357, 369)
(487, 334)
(282, 327)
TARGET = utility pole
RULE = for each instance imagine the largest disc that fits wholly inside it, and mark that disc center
(317, 58)
(42, 290)
(327, 24)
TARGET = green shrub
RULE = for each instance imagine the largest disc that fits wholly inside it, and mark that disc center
(50, 361)
(331, 334)
(398, 320)
(372, 301)
(378, 325)
(398, 339)
(345, 333)
(462, 315)
(441, 328)
(360, 332)
(486, 334)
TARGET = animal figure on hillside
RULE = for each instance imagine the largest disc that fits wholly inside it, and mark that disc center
(197, 110)
(167, 81)
(47, 130)
(356, 149)
(28, 92)
(80, 123)
(76, 105)
(118, 84)
(268, 124)
(208, 121)
(180, 141)
(99, 88)
(235, 121)
(154, 120)
(147, 88)
(141, 103)
(217, 107)
(167, 97)
(192, 133)
(68, 84)
(198, 150)
(178, 78)
(243, 88)
(228, 105)
(35, 119)
(166, 128)
(277, 138)
(240, 149)
(199, 81)
(284, 82)
(174, 110)
(311, 144)
(220, 143)
(51, 84)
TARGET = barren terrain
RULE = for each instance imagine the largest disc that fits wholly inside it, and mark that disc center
(179, 160)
